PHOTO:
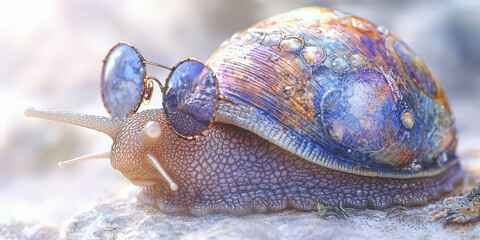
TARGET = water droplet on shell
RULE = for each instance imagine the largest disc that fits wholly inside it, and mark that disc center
(273, 38)
(357, 60)
(291, 44)
(407, 119)
(312, 55)
(416, 167)
(288, 91)
(340, 65)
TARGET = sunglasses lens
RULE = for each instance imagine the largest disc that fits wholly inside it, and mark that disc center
(122, 81)
(190, 98)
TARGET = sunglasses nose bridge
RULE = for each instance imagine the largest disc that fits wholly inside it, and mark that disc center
(149, 86)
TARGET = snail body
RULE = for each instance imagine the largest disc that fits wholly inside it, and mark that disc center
(315, 106)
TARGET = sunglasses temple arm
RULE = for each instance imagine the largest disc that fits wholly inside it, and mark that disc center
(156, 80)
(158, 65)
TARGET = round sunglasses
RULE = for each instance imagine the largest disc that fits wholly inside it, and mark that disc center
(190, 95)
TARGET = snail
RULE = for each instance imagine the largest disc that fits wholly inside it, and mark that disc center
(313, 106)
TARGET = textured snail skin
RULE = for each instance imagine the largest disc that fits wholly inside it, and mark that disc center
(231, 170)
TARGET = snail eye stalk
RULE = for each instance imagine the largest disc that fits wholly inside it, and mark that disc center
(190, 95)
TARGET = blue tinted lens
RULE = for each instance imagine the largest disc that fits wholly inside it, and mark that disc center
(122, 81)
(190, 98)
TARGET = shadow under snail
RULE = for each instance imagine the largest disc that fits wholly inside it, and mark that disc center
(314, 106)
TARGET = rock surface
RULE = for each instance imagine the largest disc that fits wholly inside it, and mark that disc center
(28, 230)
(128, 219)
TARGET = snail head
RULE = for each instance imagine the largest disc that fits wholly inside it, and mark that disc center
(141, 143)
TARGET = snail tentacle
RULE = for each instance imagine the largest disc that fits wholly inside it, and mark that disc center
(92, 156)
(109, 126)
(156, 164)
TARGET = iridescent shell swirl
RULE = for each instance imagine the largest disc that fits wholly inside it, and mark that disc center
(336, 90)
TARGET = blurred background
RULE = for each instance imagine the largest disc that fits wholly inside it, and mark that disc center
(52, 53)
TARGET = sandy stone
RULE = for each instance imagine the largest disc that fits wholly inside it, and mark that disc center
(129, 219)
(28, 230)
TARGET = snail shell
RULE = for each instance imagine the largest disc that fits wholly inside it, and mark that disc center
(315, 106)
(338, 91)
